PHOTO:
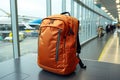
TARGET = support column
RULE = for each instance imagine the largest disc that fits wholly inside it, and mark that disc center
(15, 36)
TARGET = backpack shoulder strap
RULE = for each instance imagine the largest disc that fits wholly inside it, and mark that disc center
(78, 42)
(81, 64)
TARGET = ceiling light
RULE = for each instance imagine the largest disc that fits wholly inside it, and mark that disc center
(117, 1)
(103, 8)
(118, 9)
(95, 2)
(108, 13)
(118, 6)
(106, 10)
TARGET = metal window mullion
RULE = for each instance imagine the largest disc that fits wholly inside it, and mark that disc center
(48, 7)
(63, 5)
(85, 24)
(78, 10)
(14, 21)
(72, 7)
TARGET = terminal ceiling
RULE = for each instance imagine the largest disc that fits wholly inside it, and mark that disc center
(112, 7)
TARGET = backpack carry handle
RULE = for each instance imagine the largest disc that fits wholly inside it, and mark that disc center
(65, 13)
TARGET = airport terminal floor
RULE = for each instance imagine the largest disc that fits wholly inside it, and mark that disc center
(101, 55)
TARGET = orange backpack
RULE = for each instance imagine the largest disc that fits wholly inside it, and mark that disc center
(57, 43)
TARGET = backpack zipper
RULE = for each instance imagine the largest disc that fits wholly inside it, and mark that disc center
(57, 44)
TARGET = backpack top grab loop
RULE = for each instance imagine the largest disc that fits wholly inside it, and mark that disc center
(65, 13)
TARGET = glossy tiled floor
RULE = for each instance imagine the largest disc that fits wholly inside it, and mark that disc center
(111, 51)
(26, 68)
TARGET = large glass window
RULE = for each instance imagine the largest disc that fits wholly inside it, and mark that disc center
(56, 6)
(80, 27)
(30, 15)
(87, 23)
(83, 25)
(6, 48)
(93, 24)
(68, 5)
(32, 8)
(75, 9)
